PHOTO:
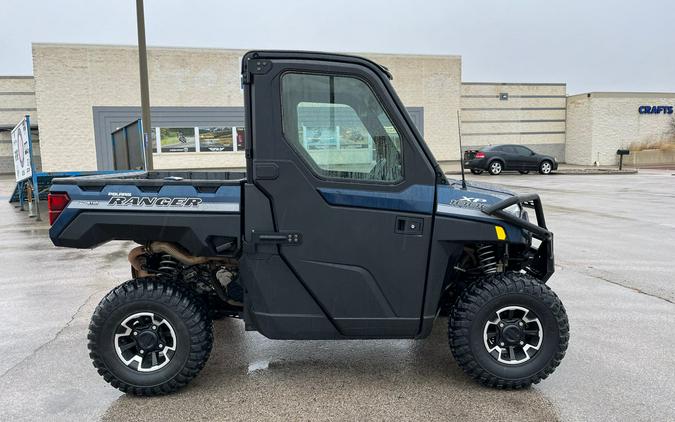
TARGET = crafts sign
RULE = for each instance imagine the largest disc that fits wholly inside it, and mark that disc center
(21, 147)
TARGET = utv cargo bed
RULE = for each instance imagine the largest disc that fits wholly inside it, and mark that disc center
(197, 209)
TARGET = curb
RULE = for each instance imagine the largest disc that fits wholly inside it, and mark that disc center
(579, 172)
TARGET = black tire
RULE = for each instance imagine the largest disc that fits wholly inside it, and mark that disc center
(495, 167)
(545, 167)
(476, 171)
(523, 171)
(179, 307)
(475, 307)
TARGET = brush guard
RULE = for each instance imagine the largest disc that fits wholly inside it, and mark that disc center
(542, 264)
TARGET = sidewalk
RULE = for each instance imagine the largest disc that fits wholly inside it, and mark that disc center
(453, 167)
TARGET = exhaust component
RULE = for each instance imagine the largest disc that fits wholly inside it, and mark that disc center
(177, 252)
(138, 257)
(224, 278)
(184, 257)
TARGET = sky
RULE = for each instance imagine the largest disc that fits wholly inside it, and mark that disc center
(621, 45)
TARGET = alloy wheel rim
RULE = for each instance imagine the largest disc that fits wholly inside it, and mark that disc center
(145, 342)
(513, 335)
(546, 168)
(496, 168)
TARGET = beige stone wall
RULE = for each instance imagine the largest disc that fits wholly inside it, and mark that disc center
(432, 82)
(17, 99)
(533, 115)
(650, 158)
(195, 160)
(603, 122)
(71, 79)
(579, 130)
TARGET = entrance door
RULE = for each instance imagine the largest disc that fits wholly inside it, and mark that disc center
(345, 175)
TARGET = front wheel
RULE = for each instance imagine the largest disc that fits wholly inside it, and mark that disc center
(545, 167)
(508, 331)
(150, 336)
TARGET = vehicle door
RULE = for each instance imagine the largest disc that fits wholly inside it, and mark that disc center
(525, 158)
(507, 153)
(335, 152)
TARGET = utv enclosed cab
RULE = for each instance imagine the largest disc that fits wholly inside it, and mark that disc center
(344, 227)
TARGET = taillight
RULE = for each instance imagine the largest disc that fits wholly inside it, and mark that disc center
(479, 154)
(56, 202)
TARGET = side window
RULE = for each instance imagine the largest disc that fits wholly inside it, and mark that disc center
(339, 127)
(522, 151)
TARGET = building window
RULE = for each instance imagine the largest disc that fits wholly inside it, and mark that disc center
(215, 139)
(198, 139)
(241, 138)
(177, 139)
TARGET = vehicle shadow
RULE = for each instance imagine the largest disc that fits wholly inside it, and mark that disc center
(249, 377)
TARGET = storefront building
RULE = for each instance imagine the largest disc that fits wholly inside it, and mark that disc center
(599, 123)
(83, 93)
(17, 99)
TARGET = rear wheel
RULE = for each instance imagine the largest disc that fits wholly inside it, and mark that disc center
(476, 171)
(508, 331)
(545, 167)
(495, 167)
(150, 336)
(523, 171)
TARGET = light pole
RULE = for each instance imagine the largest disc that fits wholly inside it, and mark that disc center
(145, 91)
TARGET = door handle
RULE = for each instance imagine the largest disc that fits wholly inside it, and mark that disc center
(409, 225)
(265, 171)
(285, 238)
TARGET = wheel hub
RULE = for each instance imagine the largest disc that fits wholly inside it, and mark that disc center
(145, 342)
(513, 335)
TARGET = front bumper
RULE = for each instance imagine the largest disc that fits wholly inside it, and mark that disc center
(542, 264)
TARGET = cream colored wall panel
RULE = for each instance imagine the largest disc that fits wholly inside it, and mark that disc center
(194, 160)
(6, 149)
(17, 101)
(617, 123)
(512, 102)
(513, 127)
(17, 84)
(12, 117)
(511, 115)
(579, 130)
(600, 123)
(513, 139)
(431, 82)
(512, 89)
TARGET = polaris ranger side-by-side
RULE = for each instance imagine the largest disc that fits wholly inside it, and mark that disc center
(342, 227)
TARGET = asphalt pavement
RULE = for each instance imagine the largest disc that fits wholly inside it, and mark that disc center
(614, 255)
